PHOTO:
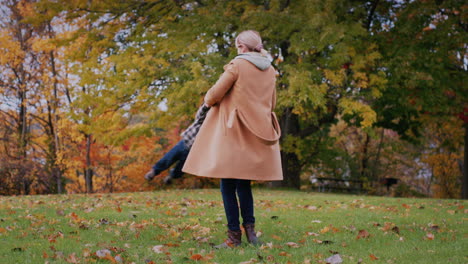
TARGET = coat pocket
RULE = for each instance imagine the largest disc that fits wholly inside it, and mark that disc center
(267, 140)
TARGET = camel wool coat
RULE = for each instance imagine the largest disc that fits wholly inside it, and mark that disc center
(239, 137)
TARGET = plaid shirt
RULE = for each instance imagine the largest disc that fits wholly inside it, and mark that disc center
(191, 132)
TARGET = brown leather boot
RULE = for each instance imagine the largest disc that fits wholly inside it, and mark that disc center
(233, 240)
(250, 234)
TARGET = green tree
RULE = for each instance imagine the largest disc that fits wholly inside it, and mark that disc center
(423, 44)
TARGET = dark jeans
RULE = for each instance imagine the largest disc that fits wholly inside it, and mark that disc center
(229, 187)
(177, 154)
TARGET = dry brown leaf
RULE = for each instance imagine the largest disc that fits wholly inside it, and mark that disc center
(276, 237)
(373, 257)
(72, 258)
(363, 234)
(430, 236)
(325, 230)
(293, 245)
(387, 226)
(196, 257)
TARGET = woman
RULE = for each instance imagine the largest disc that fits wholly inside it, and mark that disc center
(238, 142)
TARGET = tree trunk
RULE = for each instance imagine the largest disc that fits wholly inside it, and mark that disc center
(58, 179)
(88, 170)
(376, 163)
(465, 169)
(54, 120)
(365, 158)
(290, 162)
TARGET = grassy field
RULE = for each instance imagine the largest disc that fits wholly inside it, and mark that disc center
(180, 226)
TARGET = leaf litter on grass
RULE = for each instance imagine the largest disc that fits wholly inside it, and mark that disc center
(126, 228)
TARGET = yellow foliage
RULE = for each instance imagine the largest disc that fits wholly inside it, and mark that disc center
(362, 80)
(363, 110)
(26, 8)
(446, 171)
(42, 45)
(336, 78)
(10, 50)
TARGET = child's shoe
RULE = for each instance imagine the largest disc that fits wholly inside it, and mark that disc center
(150, 175)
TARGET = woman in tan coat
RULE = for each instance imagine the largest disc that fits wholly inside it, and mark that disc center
(238, 141)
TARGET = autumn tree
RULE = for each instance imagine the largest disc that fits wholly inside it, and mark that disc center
(20, 83)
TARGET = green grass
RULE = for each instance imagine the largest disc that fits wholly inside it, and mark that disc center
(186, 223)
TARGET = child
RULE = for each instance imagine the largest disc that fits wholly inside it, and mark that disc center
(180, 151)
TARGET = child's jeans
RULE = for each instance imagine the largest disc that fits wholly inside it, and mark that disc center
(177, 154)
(229, 187)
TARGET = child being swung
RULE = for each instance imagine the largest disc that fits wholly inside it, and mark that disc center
(178, 154)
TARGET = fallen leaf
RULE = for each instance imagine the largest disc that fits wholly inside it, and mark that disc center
(158, 249)
(103, 221)
(335, 259)
(387, 226)
(373, 257)
(325, 230)
(284, 254)
(196, 257)
(276, 237)
(396, 229)
(363, 234)
(118, 258)
(430, 236)
(72, 258)
(172, 245)
(317, 241)
(102, 253)
(251, 261)
(406, 206)
(293, 245)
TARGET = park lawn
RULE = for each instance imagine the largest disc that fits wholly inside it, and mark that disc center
(180, 226)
